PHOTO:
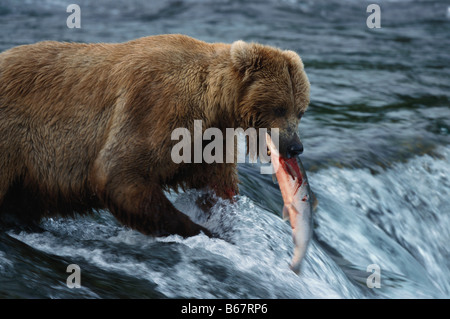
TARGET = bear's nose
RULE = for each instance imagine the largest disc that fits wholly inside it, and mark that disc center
(294, 149)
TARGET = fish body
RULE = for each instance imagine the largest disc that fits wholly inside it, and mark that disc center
(298, 200)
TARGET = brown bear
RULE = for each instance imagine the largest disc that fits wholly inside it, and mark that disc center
(86, 127)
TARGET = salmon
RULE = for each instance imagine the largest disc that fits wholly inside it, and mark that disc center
(298, 200)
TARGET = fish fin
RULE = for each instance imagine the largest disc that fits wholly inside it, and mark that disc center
(295, 269)
(315, 201)
(274, 179)
(285, 213)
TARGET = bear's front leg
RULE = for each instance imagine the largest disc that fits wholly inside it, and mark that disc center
(143, 206)
(221, 181)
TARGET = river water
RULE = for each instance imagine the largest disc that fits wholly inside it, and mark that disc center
(377, 154)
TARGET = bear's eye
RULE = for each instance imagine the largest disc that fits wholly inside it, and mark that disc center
(280, 111)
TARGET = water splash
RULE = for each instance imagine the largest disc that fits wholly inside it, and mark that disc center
(397, 219)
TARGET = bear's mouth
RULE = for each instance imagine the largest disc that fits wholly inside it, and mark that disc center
(290, 165)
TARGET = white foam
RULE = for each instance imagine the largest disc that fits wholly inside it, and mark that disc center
(5, 263)
(398, 219)
(258, 250)
(252, 260)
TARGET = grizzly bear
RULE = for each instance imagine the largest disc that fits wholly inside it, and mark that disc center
(86, 127)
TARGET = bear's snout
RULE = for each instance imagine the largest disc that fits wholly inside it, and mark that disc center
(294, 149)
(290, 146)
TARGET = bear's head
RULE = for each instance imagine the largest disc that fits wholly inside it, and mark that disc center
(275, 91)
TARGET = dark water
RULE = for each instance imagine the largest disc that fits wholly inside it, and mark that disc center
(376, 140)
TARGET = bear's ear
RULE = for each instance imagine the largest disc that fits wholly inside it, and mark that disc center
(245, 57)
(294, 58)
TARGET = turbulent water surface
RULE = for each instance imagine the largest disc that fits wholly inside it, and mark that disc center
(376, 140)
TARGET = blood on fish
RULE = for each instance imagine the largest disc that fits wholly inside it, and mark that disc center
(291, 166)
(292, 178)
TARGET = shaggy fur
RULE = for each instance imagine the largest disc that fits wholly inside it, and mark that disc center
(88, 126)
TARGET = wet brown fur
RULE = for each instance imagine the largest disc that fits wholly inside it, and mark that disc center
(88, 126)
